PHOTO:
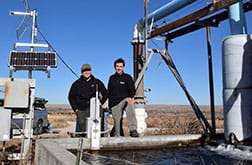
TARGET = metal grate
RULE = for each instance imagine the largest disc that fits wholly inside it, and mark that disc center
(32, 59)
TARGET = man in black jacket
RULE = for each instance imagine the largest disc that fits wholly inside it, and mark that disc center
(81, 91)
(121, 92)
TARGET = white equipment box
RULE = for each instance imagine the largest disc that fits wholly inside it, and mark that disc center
(5, 120)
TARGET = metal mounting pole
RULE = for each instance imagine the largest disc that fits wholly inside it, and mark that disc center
(28, 119)
(34, 28)
(237, 19)
(33, 36)
(146, 2)
(28, 129)
(138, 66)
(211, 83)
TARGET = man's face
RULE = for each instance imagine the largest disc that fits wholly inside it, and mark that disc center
(87, 73)
(119, 68)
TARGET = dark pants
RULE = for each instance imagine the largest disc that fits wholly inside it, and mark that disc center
(81, 120)
(81, 123)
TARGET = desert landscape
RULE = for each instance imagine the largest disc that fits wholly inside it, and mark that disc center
(162, 119)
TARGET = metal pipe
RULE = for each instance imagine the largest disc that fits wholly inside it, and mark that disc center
(165, 10)
(34, 31)
(158, 14)
(209, 9)
(146, 2)
(170, 7)
(79, 152)
(211, 83)
(33, 36)
(138, 48)
(212, 21)
(237, 19)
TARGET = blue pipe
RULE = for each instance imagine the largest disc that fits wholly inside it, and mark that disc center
(165, 10)
(237, 19)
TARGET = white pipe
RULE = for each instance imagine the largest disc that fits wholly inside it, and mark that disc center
(160, 13)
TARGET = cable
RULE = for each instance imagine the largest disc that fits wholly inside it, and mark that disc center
(63, 61)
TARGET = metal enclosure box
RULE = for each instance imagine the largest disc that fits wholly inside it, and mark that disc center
(16, 94)
(5, 120)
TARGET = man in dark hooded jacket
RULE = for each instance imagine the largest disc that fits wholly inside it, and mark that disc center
(81, 91)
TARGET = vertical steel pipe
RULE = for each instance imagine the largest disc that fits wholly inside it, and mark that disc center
(210, 74)
(138, 65)
(237, 19)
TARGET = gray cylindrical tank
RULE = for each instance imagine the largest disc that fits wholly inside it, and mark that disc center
(237, 86)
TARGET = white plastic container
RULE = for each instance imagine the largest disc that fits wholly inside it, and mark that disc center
(237, 86)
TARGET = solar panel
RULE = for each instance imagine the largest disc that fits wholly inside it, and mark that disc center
(35, 60)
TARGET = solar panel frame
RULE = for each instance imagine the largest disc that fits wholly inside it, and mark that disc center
(27, 60)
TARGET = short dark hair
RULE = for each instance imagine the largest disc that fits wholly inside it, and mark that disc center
(119, 60)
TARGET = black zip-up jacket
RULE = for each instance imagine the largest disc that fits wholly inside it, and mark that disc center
(120, 87)
(83, 89)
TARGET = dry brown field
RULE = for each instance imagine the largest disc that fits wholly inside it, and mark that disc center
(162, 119)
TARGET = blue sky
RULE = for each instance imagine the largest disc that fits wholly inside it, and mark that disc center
(98, 32)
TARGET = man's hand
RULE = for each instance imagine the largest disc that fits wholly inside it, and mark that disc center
(130, 100)
(76, 111)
